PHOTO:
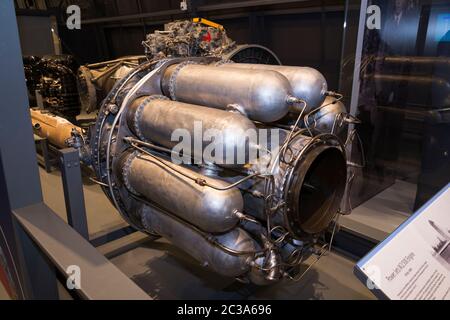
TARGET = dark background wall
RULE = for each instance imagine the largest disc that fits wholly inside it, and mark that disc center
(35, 35)
(307, 33)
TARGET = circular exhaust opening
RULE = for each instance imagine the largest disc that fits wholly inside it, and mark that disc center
(318, 195)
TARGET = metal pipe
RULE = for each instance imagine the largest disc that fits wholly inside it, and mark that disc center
(109, 62)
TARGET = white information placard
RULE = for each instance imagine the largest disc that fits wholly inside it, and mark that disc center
(413, 263)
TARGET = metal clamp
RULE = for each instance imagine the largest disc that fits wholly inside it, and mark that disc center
(126, 169)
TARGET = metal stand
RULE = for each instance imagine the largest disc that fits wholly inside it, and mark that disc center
(73, 191)
(44, 157)
(69, 163)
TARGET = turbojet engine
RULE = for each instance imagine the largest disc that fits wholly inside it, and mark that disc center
(96, 80)
(254, 217)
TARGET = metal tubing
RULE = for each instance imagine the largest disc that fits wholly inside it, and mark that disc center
(209, 209)
(109, 62)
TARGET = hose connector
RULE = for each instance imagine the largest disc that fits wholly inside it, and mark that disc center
(297, 105)
(333, 94)
(272, 261)
(293, 100)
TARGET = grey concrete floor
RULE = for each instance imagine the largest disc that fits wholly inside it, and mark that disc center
(101, 214)
(381, 215)
(165, 272)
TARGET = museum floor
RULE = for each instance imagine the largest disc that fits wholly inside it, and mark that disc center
(167, 273)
